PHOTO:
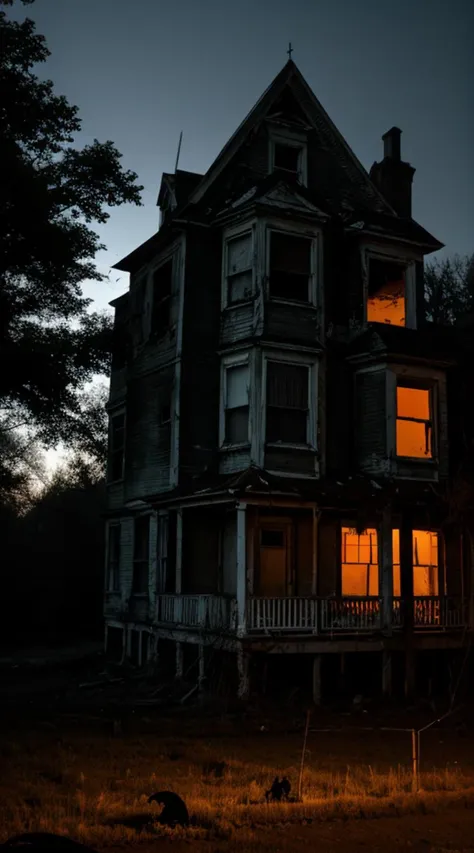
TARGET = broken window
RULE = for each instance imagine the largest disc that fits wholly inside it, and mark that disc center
(287, 403)
(386, 301)
(141, 546)
(161, 300)
(117, 447)
(290, 267)
(113, 558)
(425, 562)
(360, 567)
(272, 538)
(239, 268)
(414, 422)
(287, 158)
(236, 404)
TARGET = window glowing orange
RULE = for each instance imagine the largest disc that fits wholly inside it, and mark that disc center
(425, 562)
(360, 567)
(414, 429)
(386, 302)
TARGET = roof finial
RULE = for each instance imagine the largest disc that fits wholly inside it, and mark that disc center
(290, 50)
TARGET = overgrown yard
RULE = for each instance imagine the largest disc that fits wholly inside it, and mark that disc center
(75, 775)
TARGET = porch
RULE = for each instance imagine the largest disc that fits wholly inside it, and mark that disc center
(311, 615)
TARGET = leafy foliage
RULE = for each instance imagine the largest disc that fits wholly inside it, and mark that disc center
(51, 193)
(449, 289)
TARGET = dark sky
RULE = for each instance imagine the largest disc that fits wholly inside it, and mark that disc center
(143, 70)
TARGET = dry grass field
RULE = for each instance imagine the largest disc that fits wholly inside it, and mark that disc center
(74, 776)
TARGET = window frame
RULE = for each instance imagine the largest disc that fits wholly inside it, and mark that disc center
(116, 413)
(346, 525)
(314, 238)
(312, 366)
(115, 573)
(390, 255)
(291, 139)
(162, 551)
(239, 360)
(418, 385)
(136, 560)
(169, 258)
(229, 235)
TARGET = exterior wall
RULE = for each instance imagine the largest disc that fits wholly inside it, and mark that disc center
(148, 444)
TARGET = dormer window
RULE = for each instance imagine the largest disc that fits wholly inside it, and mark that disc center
(288, 155)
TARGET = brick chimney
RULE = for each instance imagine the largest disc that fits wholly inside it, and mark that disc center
(392, 176)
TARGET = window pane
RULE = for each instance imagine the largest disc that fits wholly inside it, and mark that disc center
(355, 580)
(289, 253)
(239, 253)
(289, 426)
(396, 580)
(396, 546)
(118, 429)
(425, 548)
(287, 157)
(292, 286)
(271, 538)
(237, 425)
(287, 385)
(237, 380)
(425, 580)
(414, 439)
(413, 403)
(141, 537)
(386, 299)
(114, 543)
(239, 287)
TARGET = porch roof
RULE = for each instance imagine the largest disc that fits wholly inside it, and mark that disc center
(348, 493)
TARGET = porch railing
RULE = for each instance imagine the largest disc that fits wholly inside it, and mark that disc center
(211, 612)
(282, 614)
(444, 612)
(351, 615)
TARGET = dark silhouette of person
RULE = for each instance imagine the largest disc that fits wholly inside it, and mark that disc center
(174, 808)
(285, 788)
(46, 842)
(275, 792)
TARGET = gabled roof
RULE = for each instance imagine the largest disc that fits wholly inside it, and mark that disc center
(318, 119)
(430, 342)
(180, 183)
(395, 226)
(275, 191)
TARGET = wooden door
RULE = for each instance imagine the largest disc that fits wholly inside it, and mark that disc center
(275, 559)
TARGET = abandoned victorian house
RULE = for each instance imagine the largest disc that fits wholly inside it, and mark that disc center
(279, 444)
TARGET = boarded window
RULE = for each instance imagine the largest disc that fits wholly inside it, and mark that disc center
(414, 423)
(386, 298)
(141, 547)
(161, 307)
(239, 268)
(287, 158)
(425, 563)
(290, 267)
(287, 403)
(272, 538)
(113, 558)
(359, 562)
(236, 405)
(117, 447)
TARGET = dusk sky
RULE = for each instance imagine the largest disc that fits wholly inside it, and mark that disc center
(141, 71)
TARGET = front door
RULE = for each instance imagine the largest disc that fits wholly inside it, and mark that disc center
(275, 559)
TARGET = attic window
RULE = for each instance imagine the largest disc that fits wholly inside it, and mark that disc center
(161, 310)
(290, 267)
(414, 422)
(287, 158)
(386, 301)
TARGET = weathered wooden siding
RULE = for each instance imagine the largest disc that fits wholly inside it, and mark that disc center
(294, 461)
(295, 324)
(200, 372)
(328, 557)
(147, 450)
(229, 555)
(304, 554)
(237, 323)
(453, 558)
(371, 421)
(201, 530)
(126, 560)
(339, 413)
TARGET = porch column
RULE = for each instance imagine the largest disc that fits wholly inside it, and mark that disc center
(241, 568)
(406, 583)
(179, 660)
(243, 672)
(386, 569)
(179, 551)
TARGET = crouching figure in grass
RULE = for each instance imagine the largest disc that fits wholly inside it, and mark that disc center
(174, 809)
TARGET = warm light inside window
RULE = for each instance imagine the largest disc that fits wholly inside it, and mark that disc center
(386, 302)
(425, 562)
(360, 571)
(414, 429)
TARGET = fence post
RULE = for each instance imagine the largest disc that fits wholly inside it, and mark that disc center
(300, 780)
(414, 759)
